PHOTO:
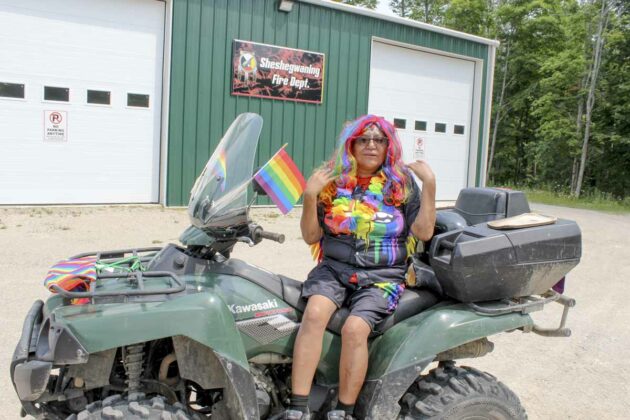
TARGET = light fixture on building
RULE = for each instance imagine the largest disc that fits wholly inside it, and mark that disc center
(285, 5)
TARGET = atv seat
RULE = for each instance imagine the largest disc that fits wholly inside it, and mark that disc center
(412, 302)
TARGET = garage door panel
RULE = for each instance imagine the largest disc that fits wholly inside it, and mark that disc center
(415, 86)
(110, 152)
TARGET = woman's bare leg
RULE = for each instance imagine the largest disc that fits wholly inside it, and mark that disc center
(308, 343)
(354, 358)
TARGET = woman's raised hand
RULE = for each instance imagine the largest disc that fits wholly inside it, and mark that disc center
(317, 181)
(422, 170)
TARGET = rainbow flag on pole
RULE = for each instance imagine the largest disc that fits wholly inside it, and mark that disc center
(282, 180)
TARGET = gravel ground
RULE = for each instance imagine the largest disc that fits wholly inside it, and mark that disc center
(583, 377)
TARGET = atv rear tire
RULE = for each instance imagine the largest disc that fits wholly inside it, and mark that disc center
(136, 406)
(449, 392)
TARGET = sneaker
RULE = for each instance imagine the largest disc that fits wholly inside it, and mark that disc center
(339, 415)
(295, 415)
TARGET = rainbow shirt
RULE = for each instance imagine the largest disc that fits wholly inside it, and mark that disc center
(364, 232)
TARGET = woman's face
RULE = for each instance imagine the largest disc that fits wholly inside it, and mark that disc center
(369, 150)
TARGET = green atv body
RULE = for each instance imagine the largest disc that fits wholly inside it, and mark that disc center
(196, 334)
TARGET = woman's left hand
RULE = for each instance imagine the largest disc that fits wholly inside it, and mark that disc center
(422, 170)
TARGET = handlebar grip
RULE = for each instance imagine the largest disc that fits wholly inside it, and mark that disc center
(278, 237)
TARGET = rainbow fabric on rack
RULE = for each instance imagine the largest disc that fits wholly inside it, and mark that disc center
(282, 181)
(72, 275)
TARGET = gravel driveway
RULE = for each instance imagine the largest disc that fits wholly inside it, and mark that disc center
(583, 377)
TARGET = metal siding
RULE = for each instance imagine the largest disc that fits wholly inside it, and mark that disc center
(201, 106)
(176, 114)
(191, 94)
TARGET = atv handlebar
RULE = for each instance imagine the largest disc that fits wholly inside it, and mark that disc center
(278, 237)
(258, 234)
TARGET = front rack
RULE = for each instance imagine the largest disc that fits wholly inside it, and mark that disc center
(120, 253)
(176, 285)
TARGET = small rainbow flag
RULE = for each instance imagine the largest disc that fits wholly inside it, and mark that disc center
(282, 180)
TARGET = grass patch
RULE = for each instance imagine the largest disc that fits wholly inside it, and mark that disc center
(597, 201)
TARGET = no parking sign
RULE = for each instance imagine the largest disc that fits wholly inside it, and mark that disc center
(55, 126)
(418, 149)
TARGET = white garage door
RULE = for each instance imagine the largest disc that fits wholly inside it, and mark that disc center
(429, 97)
(80, 97)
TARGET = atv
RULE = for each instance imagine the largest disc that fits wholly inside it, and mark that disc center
(186, 332)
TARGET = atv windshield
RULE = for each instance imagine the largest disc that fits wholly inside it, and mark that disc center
(219, 198)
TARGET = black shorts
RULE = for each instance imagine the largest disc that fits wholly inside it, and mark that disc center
(371, 303)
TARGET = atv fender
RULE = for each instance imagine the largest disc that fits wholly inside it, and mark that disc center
(398, 357)
(207, 342)
(203, 317)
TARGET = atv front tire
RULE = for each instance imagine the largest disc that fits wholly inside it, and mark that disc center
(136, 406)
(449, 392)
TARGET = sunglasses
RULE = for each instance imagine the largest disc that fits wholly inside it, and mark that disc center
(378, 141)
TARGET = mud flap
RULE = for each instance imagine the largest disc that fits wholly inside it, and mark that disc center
(210, 370)
(379, 398)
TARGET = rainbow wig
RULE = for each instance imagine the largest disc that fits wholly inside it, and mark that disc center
(344, 165)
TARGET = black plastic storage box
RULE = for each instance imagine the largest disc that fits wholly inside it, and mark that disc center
(478, 263)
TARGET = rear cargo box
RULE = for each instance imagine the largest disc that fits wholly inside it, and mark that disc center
(478, 263)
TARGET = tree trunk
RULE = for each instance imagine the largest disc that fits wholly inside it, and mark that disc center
(578, 134)
(426, 11)
(580, 110)
(590, 99)
(497, 116)
(574, 172)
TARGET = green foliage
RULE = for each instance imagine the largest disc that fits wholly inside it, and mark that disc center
(471, 16)
(594, 200)
(403, 8)
(368, 4)
(548, 47)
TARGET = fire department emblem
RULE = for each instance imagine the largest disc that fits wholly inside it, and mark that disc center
(247, 67)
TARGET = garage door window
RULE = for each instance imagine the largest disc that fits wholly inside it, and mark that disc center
(137, 100)
(421, 126)
(400, 123)
(458, 129)
(440, 128)
(59, 94)
(11, 90)
(99, 97)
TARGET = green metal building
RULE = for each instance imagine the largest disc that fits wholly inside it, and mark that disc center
(434, 83)
(132, 106)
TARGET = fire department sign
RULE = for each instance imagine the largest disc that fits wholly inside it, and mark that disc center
(269, 71)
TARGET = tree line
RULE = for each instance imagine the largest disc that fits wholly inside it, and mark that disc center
(561, 105)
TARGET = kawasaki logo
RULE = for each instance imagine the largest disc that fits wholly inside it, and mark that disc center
(240, 309)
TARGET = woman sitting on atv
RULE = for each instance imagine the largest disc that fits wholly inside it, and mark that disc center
(363, 213)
